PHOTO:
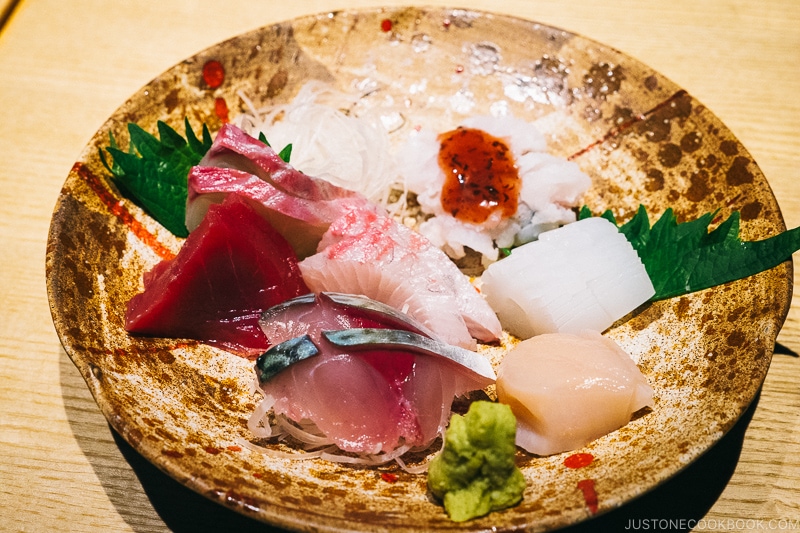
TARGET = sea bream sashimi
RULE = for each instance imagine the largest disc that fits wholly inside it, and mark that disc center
(364, 390)
(364, 252)
(298, 206)
(229, 270)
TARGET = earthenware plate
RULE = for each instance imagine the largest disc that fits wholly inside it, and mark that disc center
(643, 140)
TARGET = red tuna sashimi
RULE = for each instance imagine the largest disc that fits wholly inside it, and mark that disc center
(230, 269)
(366, 401)
(367, 253)
(300, 207)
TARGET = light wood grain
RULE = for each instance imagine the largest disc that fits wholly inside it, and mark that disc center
(66, 66)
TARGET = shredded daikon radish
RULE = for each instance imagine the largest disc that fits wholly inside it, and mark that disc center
(279, 454)
(416, 469)
(329, 140)
(304, 433)
(258, 423)
(315, 445)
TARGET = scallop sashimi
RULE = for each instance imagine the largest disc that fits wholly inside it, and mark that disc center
(229, 270)
(298, 206)
(585, 275)
(375, 396)
(367, 253)
(567, 390)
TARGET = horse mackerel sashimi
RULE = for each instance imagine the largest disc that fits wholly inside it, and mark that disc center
(376, 400)
(364, 252)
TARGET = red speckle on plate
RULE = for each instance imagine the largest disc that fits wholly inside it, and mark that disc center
(386, 25)
(446, 24)
(578, 460)
(589, 495)
(619, 130)
(221, 109)
(386, 476)
(234, 448)
(213, 73)
(118, 209)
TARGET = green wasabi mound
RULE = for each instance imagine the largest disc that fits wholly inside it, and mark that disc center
(475, 473)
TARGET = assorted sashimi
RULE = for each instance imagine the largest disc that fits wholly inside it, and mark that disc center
(372, 254)
(232, 267)
(567, 390)
(585, 275)
(365, 330)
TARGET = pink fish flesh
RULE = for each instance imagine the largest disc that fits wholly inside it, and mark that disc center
(364, 252)
(365, 401)
(229, 270)
(300, 207)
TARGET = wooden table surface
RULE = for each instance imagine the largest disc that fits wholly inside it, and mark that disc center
(66, 66)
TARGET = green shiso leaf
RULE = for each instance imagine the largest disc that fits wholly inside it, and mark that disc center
(685, 257)
(153, 171)
(285, 154)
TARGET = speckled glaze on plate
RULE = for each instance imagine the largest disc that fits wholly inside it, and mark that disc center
(643, 140)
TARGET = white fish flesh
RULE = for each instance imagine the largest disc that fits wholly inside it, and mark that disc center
(550, 187)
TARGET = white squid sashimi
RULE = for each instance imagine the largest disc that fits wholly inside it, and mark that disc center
(585, 275)
(362, 241)
(567, 390)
